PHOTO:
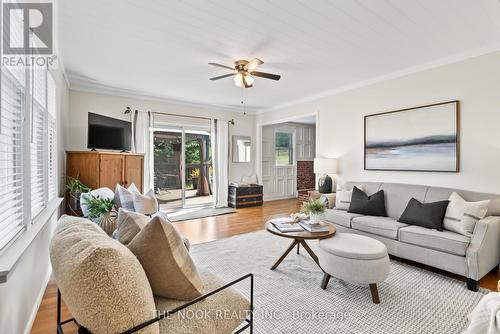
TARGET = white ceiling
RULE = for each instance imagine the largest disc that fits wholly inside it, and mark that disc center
(161, 48)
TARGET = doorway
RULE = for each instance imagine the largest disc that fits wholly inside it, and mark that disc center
(182, 165)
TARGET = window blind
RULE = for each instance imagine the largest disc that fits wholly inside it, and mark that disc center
(52, 135)
(11, 162)
(38, 140)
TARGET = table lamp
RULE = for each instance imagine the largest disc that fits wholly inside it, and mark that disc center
(325, 166)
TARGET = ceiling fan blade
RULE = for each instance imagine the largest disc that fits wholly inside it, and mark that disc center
(252, 64)
(266, 75)
(220, 65)
(223, 76)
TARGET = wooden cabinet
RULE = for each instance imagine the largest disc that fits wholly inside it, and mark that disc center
(106, 169)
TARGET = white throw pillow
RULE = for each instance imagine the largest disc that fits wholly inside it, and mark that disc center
(343, 198)
(461, 216)
(124, 197)
(145, 204)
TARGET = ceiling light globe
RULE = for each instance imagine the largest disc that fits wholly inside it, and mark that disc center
(238, 80)
(249, 79)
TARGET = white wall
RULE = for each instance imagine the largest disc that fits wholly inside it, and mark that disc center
(81, 103)
(475, 82)
(21, 294)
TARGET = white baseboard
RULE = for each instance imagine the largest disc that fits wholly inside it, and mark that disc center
(34, 312)
(276, 198)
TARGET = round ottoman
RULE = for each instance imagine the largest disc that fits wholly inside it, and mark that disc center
(354, 258)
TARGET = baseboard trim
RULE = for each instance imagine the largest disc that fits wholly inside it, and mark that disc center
(39, 300)
(277, 198)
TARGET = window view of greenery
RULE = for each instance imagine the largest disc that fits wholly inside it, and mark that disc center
(167, 156)
(284, 149)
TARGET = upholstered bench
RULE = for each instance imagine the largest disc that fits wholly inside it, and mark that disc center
(354, 258)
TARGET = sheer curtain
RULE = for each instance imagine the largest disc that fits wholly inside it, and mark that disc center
(143, 143)
(220, 153)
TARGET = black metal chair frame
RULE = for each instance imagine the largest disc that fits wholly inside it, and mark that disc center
(249, 320)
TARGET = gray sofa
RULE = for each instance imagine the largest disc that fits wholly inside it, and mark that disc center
(472, 257)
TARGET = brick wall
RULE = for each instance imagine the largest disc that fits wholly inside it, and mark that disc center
(305, 175)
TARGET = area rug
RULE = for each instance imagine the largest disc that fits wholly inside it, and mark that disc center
(195, 213)
(290, 300)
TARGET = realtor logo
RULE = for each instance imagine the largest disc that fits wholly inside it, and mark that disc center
(27, 28)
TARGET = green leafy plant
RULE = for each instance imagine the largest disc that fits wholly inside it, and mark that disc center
(98, 206)
(73, 185)
(313, 206)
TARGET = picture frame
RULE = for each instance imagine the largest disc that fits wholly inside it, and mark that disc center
(418, 139)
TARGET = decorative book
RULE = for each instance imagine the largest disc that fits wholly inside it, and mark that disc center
(313, 228)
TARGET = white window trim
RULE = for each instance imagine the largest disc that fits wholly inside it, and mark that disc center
(16, 248)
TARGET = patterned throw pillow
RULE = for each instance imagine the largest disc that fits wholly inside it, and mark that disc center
(124, 197)
(461, 216)
(145, 204)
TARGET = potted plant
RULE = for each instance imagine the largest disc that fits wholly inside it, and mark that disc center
(195, 175)
(314, 208)
(75, 188)
(101, 211)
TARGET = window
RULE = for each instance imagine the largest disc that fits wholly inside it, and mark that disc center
(284, 148)
(27, 148)
(11, 166)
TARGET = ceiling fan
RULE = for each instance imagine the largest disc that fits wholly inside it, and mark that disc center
(244, 73)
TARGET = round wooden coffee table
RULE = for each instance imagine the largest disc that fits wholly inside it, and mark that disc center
(299, 238)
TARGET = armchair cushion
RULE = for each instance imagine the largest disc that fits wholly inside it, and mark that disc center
(101, 281)
(222, 312)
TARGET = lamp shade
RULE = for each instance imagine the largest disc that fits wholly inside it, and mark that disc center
(325, 166)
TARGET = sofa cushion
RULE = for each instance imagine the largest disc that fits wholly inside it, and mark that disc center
(445, 241)
(383, 226)
(168, 266)
(228, 301)
(373, 205)
(339, 217)
(101, 281)
(397, 196)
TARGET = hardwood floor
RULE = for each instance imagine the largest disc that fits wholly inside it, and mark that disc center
(203, 230)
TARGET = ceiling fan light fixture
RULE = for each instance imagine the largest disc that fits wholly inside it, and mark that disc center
(238, 80)
(249, 79)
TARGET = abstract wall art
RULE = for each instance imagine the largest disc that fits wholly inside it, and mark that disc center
(423, 138)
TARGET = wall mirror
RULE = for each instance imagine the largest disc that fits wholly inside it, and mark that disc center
(242, 148)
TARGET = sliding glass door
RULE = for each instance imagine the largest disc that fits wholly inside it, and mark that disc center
(182, 162)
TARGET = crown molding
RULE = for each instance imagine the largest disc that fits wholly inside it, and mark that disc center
(386, 77)
(90, 86)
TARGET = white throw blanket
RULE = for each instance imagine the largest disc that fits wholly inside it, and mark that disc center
(485, 318)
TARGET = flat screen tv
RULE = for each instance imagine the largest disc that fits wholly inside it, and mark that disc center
(108, 133)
